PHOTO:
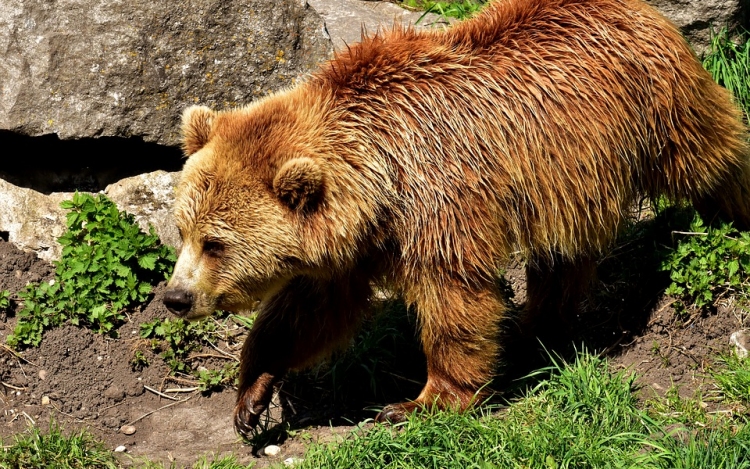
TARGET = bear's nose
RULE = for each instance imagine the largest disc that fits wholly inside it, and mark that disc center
(178, 301)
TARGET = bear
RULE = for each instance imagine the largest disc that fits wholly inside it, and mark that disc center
(422, 160)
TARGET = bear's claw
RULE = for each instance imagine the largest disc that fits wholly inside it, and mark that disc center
(397, 413)
(246, 417)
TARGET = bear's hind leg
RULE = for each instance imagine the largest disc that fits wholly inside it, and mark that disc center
(459, 331)
(555, 289)
(300, 325)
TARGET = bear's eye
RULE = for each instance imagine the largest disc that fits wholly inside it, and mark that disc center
(213, 248)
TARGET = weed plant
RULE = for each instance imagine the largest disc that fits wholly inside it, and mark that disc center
(709, 263)
(107, 265)
(4, 301)
(178, 340)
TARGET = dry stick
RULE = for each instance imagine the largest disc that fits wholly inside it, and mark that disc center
(223, 352)
(11, 386)
(690, 233)
(16, 354)
(209, 355)
(28, 417)
(160, 393)
(182, 389)
(160, 408)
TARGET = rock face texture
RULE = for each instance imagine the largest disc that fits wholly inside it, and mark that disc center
(696, 18)
(345, 19)
(89, 68)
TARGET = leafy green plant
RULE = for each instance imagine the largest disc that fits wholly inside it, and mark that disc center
(4, 300)
(728, 61)
(177, 339)
(708, 263)
(107, 265)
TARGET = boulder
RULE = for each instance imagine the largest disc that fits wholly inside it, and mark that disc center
(90, 68)
(345, 20)
(698, 18)
(33, 221)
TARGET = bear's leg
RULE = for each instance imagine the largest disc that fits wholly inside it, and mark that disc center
(459, 329)
(306, 320)
(555, 289)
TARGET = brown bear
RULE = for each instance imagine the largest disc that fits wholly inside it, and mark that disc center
(423, 159)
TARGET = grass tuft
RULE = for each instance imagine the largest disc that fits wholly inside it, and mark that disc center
(729, 63)
(33, 449)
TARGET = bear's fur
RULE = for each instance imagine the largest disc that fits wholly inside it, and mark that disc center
(424, 159)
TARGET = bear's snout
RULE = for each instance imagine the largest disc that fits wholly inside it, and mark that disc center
(178, 301)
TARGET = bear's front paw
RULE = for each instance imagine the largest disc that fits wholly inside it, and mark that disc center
(396, 413)
(247, 415)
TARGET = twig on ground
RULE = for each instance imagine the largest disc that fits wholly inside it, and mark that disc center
(182, 389)
(209, 355)
(159, 393)
(28, 417)
(160, 408)
(16, 354)
(11, 386)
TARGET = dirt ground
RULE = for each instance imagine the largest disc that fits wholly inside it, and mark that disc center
(82, 379)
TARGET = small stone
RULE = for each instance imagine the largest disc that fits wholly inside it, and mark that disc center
(271, 450)
(42, 374)
(292, 461)
(120, 449)
(740, 342)
(45, 400)
(127, 429)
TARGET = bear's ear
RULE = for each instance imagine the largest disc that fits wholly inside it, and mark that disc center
(299, 183)
(196, 128)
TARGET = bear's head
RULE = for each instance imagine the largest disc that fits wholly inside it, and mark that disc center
(247, 188)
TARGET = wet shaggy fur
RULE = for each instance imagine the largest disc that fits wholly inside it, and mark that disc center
(424, 159)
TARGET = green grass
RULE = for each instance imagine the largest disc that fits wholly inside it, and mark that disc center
(449, 9)
(729, 63)
(53, 449)
(733, 378)
(582, 416)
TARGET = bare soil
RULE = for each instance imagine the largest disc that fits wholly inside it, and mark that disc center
(82, 379)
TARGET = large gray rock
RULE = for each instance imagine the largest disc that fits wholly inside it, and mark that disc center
(346, 19)
(34, 221)
(697, 18)
(88, 68)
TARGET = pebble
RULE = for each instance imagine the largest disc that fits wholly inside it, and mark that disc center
(271, 450)
(292, 461)
(120, 449)
(740, 341)
(45, 400)
(42, 374)
(127, 429)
